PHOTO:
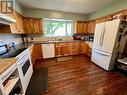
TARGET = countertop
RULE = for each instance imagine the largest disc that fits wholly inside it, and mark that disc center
(50, 42)
(15, 50)
(6, 63)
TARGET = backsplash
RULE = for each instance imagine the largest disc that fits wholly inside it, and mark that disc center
(43, 38)
(7, 38)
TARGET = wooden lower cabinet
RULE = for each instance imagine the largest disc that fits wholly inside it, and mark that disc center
(65, 49)
(36, 52)
(85, 49)
(61, 49)
(58, 50)
(89, 52)
(75, 48)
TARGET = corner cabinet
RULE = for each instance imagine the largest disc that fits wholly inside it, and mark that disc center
(33, 26)
(36, 53)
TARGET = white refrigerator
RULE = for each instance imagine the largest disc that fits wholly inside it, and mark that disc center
(105, 44)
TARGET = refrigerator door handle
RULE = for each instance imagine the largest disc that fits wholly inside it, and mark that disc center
(103, 35)
(102, 53)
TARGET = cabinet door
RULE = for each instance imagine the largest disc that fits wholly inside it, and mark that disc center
(14, 28)
(84, 48)
(19, 22)
(65, 49)
(28, 28)
(38, 26)
(58, 50)
(17, 28)
(75, 48)
(91, 26)
(84, 28)
(81, 27)
(36, 53)
(89, 51)
(33, 26)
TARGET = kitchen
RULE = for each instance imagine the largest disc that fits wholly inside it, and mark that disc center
(75, 49)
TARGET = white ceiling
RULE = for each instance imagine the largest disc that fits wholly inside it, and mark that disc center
(74, 6)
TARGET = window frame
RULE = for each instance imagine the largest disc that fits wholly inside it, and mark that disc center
(61, 20)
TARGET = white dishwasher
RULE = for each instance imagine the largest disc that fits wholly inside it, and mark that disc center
(48, 50)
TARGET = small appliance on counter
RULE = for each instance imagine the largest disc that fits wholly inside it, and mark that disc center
(3, 48)
(83, 36)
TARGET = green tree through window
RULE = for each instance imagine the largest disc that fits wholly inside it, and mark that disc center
(57, 27)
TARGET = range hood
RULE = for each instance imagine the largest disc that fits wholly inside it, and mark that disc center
(4, 19)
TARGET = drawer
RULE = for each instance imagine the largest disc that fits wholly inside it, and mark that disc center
(8, 72)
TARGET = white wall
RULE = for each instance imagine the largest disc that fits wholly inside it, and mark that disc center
(10, 38)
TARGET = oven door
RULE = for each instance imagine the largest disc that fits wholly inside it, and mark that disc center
(25, 71)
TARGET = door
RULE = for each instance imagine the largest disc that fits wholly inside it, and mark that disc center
(98, 35)
(109, 35)
(25, 70)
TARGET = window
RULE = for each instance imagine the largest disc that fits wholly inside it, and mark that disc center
(58, 27)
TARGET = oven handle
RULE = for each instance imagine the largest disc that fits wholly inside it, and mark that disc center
(23, 62)
(26, 55)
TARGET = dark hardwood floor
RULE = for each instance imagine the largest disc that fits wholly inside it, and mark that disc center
(81, 77)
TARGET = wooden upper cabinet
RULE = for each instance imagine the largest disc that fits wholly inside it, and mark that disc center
(33, 26)
(19, 22)
(17, 28)
(81, 27)
(14, 28)
(104, 19)
(91, 26)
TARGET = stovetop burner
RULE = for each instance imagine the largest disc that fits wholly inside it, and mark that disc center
(13, 53)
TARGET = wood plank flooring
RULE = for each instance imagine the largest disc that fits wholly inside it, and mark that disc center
(81, 77)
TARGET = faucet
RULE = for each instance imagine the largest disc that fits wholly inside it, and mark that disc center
(59, 39)
(55, 38)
